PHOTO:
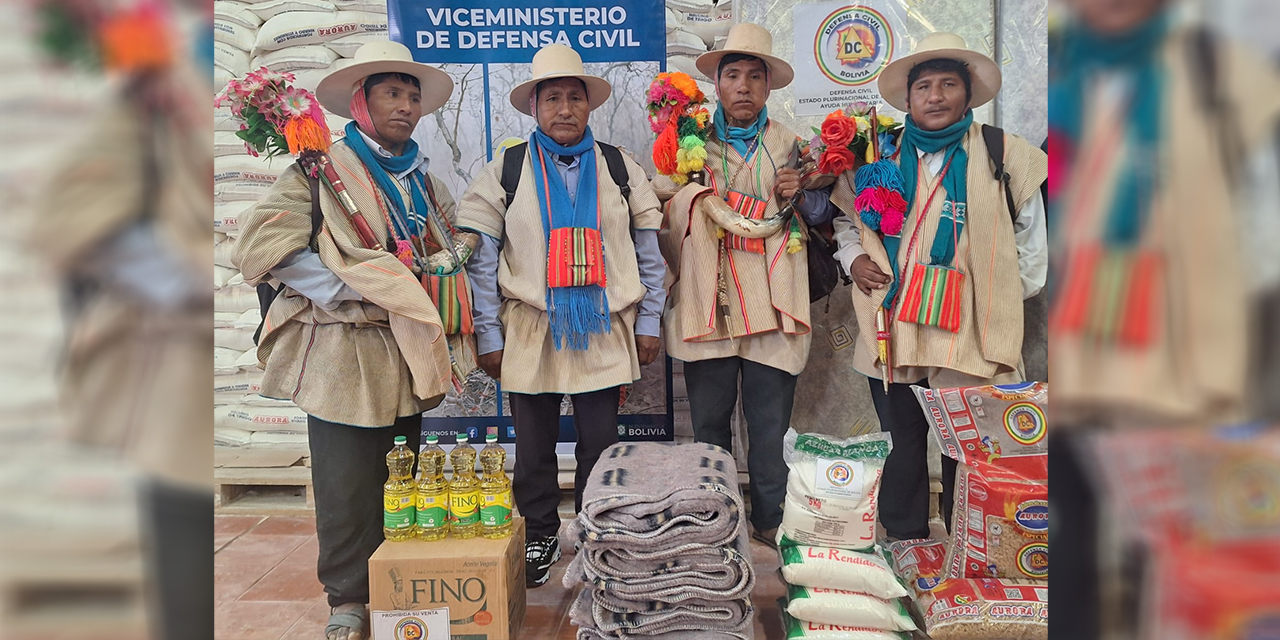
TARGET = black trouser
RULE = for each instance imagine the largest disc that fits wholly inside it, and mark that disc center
(537, 421)
(179, 530)
(768, 394)
(1073, 543)
(348, 469)
(904, 487)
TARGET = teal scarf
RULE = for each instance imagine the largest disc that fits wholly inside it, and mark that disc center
(955, 183)
(738, 137)
(383, 169)
(1137, 54)
(575, 312)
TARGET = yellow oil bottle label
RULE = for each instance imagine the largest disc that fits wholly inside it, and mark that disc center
(398, 511)
(433, 511)
(495, 510)
(464, 508)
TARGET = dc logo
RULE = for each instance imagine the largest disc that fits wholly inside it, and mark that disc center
(840, 474)
(1025, 422)
(853, 45)
(411, 629)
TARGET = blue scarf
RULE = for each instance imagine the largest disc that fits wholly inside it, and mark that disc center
(384, 169)
(1136, 53)
(575, 312)
(737, 137)
(955, 183)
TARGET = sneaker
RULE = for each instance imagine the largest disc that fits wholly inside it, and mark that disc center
(539, 555)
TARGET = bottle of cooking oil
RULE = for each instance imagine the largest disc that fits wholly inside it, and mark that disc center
(464, 490)
(433, 493)
(399, 493)
(495, 491)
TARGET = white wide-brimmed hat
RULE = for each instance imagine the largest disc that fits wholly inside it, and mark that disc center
(984, 72)
(558, 61)
(753, 40)
(335, 91)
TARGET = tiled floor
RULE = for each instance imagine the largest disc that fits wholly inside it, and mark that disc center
(266, 587)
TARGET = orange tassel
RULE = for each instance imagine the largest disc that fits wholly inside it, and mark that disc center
(305, 134)
(665, 148)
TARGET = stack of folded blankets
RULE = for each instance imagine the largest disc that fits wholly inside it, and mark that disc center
(664, 549)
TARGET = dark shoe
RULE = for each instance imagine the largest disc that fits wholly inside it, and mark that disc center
(539, 555)
(769, 537)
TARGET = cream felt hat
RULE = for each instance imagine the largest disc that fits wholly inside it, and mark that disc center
(335, 91)
(984, 72)
(752, 40)
(558, 61)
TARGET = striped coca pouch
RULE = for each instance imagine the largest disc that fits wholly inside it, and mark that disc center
(933, 297)
(575, 258)
(451, 295)
(1110, 295)
(751, 208)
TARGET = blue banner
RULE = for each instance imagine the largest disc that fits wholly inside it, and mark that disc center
(489, 31)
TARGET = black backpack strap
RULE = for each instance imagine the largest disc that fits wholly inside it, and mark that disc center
(1203, 55)
(617, 169)
(512, 166)
(994, 137)
(317, 217)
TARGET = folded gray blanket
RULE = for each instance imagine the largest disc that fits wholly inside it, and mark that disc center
(586, 633)
(647, 496)
(617, 618)
(670, 575)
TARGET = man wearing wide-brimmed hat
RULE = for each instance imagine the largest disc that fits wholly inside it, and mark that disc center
(952, 280)
(740, 306)
(568, 284)
(354, 338)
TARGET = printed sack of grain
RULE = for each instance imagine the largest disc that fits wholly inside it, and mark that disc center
(1005, 425)
(1001, 525)
(226, 215)
(847, 608)
(234, 33)
(829, 568)
(918, 563)
(347, 46)
(801, 630)
(986, 610)
(833, 485)
(230, 59)
(315, 27)
(269, 9)
(295, 59)
(244, 177)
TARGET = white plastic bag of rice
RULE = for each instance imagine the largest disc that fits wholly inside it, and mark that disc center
(269, 9)
(828, 568)
(801, 630)
(847, 609)
(236, 12)
(832, 489)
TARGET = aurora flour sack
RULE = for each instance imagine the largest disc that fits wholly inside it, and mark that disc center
(832, 488)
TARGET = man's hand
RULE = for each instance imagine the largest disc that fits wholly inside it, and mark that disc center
(867, 275)
(647, 349)
(787, 183)
(491, 363)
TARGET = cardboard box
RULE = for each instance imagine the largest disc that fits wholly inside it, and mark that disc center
(480, 581)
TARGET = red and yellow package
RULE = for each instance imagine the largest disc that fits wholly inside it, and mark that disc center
(1003, 425)
(1000, 524)
(1222, 591)
(986, 610)
(915, 559)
